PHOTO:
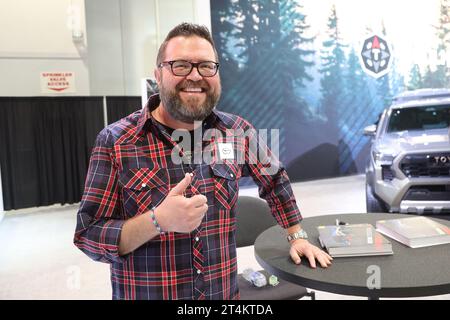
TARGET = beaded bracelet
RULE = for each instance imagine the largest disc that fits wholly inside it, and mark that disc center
(155, 223)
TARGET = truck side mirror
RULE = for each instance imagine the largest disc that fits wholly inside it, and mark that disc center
(370, 130)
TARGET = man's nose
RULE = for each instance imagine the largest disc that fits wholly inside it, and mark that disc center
(194, 75)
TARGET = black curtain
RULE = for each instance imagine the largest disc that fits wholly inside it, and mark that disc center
(119, 107)
(45, 144)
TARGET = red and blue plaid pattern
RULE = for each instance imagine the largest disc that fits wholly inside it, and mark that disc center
(131, 171)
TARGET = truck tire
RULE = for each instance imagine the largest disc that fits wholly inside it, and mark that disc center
(373, 204)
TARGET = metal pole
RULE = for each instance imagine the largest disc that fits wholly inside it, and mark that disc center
(105, 112)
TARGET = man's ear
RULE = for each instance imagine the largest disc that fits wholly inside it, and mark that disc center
(157, 74)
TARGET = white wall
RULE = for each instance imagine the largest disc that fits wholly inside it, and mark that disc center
(104, 37)
(34, 38)
(124, 37)
(119, 47)
(202, 12)
(139, 42)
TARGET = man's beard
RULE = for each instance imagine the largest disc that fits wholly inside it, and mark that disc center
(190, 111)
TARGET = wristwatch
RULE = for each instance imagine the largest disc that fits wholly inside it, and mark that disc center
(301, 234)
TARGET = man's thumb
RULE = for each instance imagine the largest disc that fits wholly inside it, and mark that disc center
(181, 186)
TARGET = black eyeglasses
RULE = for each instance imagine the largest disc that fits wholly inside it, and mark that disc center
(183, 68)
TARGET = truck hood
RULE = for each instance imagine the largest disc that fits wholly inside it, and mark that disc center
(412, 141)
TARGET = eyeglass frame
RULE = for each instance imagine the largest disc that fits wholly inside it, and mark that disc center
(193, 64)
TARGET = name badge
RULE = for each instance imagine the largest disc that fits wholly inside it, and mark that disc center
(226, 151)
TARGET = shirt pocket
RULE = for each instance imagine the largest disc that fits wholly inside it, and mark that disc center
(226, 176)
(143, 189)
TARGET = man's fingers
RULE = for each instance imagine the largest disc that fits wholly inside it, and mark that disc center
(181, 186)
(328, 256)
(323, 260)
(198, 200)
(323, 257)
(295, 256)
(311, 258)
(312, 253)
(201, 210)
(200, 213)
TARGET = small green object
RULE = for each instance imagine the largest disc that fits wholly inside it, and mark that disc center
(273, 280)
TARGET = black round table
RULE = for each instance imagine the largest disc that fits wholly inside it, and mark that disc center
(407, 273)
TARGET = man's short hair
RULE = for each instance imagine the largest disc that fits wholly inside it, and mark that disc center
(185, 30)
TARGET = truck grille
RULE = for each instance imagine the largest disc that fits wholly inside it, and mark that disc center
(428, 193)
(426, 165)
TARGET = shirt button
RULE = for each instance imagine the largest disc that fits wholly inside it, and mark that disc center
(231, 175)
(197, 238)
(198, 272)
(143, 185)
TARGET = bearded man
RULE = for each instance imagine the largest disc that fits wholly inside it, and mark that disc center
(166, 227)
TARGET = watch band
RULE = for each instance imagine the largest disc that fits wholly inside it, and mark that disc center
(301, 234)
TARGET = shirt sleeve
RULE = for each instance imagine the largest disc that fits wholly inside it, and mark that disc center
(99, 222)
(272, 179)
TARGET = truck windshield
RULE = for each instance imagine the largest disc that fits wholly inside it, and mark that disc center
(419, 118)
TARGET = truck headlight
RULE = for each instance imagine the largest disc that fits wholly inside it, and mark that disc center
(383, 159)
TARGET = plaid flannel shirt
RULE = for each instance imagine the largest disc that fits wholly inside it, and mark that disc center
(131, 171)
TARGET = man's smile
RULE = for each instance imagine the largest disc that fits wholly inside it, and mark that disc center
(194, 91)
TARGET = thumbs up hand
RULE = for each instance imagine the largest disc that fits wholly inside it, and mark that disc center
(178, 213)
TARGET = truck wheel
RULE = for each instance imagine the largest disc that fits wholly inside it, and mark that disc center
(373, 204)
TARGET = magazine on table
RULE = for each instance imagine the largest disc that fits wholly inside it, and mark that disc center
(415, 232)
(353, 240)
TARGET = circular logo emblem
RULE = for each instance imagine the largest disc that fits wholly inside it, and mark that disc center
(375, 56)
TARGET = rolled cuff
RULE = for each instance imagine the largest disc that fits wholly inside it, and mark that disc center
(100, 241)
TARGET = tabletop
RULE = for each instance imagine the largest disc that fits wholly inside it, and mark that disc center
(407, 273)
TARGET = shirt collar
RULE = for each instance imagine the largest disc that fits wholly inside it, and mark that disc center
(152, 104)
